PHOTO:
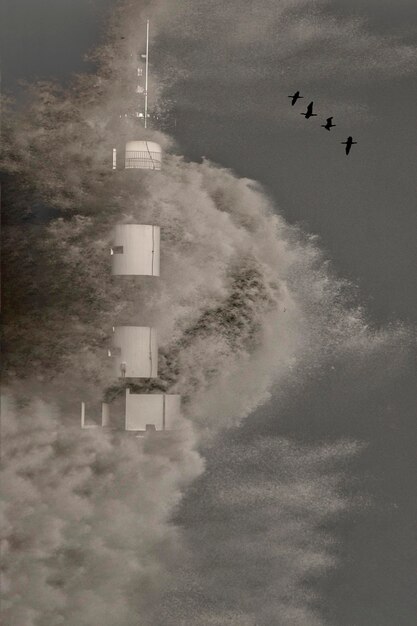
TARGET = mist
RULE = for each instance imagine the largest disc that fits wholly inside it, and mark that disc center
(203, 527)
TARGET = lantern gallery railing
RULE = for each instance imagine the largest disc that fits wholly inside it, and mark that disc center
(143, 154)
(148, 160)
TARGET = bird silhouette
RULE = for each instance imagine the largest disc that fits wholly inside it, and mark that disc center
(309, 112)
(348, 143)
(295, 97)
(328, 125)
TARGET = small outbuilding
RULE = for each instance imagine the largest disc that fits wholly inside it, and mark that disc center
(157, 410)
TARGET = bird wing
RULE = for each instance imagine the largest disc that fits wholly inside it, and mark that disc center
(329, 119)
(310, 107)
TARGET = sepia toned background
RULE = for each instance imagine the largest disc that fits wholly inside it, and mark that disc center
(227, 69)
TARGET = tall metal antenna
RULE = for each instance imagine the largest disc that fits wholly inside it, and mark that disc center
(146, 73)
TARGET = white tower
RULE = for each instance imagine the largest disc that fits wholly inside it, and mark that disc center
(135, 251)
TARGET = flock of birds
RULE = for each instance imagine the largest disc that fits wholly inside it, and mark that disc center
(329, 122)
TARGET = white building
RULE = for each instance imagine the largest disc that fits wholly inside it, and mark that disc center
(159, 410)
(142, 413)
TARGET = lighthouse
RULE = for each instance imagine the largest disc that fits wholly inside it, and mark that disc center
(135, 252)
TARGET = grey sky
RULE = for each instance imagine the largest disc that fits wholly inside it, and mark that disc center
(48, 38)
(363, 209)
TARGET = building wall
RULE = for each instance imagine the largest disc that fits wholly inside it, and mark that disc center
(159, 410)
(172, 410)
(135, 352)
(136, 250)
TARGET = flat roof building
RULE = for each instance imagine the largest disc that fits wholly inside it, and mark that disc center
(158, 410)
(143, 412)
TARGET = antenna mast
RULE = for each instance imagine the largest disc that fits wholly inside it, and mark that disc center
(146, 73)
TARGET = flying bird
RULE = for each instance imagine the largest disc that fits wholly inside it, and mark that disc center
(295, 97)
(309, 112)
(328, 125)
(348, 143)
